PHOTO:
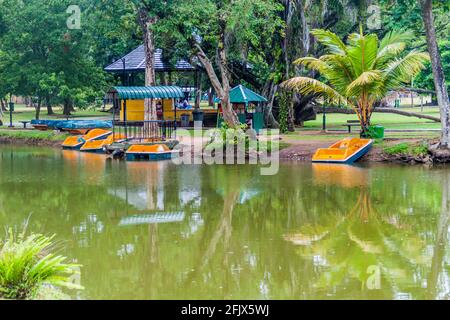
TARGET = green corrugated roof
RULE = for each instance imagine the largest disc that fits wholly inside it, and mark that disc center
(139, 93)
(241, 94)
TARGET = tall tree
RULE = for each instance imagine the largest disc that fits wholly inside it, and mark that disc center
(360, 73)
(147, 17)
(219, 33)
(438, 71)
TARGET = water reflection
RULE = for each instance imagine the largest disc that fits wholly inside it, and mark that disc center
(154, 230)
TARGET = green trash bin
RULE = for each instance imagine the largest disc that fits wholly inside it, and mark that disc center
(376, 132)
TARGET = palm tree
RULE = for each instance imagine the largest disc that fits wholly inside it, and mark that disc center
(360, 73)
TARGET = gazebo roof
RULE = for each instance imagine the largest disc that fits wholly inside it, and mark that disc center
(135, 62)
(139, 93)
(241, 94)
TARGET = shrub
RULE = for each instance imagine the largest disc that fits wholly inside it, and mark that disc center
(401, 148)
(27, 263)
(226, 136)
(407, 149)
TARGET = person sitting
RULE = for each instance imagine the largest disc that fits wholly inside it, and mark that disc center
(186, 105)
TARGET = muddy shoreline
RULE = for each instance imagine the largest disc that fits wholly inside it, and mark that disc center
(300, 152)
(5, 140)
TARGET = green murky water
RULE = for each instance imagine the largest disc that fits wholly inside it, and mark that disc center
(160, 231)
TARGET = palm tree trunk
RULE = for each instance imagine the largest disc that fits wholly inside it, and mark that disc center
(438, 71)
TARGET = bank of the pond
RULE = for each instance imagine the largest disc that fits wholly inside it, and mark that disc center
(411, 151)
(407, 150)
(32, 137)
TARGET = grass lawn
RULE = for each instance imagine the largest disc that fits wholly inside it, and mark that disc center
(22, 113)
(336, 121)
(33, 134)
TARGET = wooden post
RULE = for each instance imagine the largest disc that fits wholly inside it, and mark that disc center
(125, 117)
(324, 120)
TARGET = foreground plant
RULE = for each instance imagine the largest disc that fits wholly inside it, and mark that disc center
(360, 73)
(27, 264)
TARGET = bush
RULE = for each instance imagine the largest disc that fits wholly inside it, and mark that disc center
(226, 136)
(27, 264)
(407, 149)
(401, 148)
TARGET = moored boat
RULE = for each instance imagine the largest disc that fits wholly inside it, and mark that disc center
(346, 151)
(154, 152)
(98, 145)
(76, 142)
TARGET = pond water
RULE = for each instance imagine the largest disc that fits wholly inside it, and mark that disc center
(147, 230)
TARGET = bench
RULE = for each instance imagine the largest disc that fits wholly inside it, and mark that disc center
(352, 123)
(25, 123)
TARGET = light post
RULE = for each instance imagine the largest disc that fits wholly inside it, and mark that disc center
(324, 122)
(11, 109)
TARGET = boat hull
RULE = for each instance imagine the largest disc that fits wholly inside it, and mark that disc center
(157, 156)
(322, 156)
(156, 152)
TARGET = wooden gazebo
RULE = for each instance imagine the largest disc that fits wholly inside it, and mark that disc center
(133, 63)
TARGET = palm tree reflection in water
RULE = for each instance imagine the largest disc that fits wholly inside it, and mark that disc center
(379, 249)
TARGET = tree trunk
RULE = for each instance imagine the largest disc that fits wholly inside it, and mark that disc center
(146, 22)
(438, 71)
(67, 107)
(210, 98)
(198, 94)
(270, 91)
(49, 106)
(222, 91)
(4, 103)
(38, 109)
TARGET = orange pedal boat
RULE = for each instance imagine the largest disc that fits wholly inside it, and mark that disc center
(346, 151)
(76, 142)
(97, 145)
(150, 152)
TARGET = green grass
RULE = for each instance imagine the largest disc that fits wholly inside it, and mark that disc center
(22, 113)
(407, 149)
(335, 121)
(33, 134)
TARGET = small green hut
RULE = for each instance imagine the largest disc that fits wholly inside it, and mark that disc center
(248, 106)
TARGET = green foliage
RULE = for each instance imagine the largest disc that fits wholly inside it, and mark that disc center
(401, 148)
(284, 101)
(42, 58)
(425, 79)
(227, 136)
(407, 149)
(27, 263)
(361, 71)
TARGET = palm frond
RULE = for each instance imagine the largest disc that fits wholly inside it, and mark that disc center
(363, 52)
(330, 40)
(403, 70)
(395, 36)
(313, 63)
(305, 86)
(365, 79)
